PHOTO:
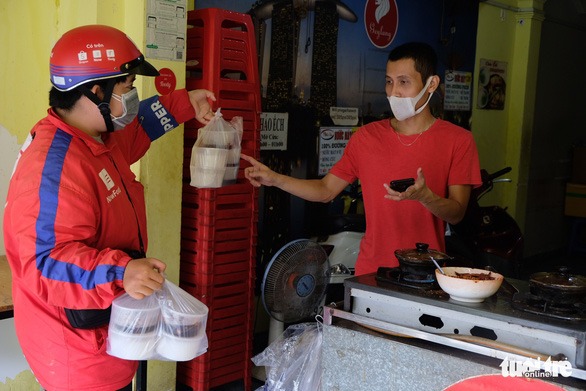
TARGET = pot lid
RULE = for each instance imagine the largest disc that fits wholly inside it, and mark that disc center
(420, 253)
(559, 279)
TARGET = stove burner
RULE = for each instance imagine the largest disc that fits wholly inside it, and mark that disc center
(537, 305)
(395, 276)
(418, 278)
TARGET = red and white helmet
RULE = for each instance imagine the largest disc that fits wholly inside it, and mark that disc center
(95, 52)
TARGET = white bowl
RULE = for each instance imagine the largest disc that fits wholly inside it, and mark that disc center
(132, 316)
(468, 290)
(131, 346)
(181, 349)
(210, 158)
(207, 178)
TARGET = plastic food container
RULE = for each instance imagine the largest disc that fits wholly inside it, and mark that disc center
(133, 328)
(232, 165)
(208, 166)
(183, 334)
(132, 346)
(181, 349)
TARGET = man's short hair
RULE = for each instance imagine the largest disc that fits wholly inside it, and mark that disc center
(65, 100)
(421, 53)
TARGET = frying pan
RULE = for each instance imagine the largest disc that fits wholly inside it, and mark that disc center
(559, 287)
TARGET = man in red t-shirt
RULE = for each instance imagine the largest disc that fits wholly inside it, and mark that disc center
(441, 156)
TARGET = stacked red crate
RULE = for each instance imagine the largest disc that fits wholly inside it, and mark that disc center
(219, 226)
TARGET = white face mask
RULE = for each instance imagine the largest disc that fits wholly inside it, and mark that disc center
(130, 104)
(404, 108)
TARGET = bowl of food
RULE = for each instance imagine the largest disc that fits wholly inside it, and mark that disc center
(467, 284)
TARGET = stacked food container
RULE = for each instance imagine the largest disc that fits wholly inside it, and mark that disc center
(219, 226)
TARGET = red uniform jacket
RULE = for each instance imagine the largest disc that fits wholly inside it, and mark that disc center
(73, 204)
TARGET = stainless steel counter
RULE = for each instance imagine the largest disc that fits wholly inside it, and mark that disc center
(360, 358)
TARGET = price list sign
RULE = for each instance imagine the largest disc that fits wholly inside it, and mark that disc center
(332, 142)
(458, 94)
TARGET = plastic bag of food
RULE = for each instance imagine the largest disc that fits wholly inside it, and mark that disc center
(215, 156)
(293, 361)
(134, 326)
(168, 325)
(183, 320)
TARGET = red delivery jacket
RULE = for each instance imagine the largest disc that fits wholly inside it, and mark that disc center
(73, 204)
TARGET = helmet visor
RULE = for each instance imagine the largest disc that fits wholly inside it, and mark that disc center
(139, 66)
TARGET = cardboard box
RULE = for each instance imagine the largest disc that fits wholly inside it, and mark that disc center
(575, 200)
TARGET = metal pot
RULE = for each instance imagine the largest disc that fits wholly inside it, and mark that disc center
(558, 287)
(417, 261)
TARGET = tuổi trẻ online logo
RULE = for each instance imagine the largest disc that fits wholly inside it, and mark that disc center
(535, 368)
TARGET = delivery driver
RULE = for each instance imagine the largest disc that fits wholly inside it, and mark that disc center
(75, 215)
(440, 156)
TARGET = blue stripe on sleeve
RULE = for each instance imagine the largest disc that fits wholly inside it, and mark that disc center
(154, 118)
(45, 226)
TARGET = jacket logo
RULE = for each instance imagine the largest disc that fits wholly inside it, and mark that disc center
(114, 194)
(161, 114)
(106, 179)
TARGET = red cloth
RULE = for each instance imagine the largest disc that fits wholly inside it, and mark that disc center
(448, 156)
(501, 383)
(67, 217)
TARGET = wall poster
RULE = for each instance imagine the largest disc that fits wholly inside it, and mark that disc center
(165, 29)
(492, 84)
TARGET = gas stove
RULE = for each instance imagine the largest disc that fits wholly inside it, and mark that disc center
(496, 327)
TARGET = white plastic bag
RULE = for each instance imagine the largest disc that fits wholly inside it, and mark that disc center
(134, 327)
(215, 156)
(293, 361)
(169, 325)
(183, 319)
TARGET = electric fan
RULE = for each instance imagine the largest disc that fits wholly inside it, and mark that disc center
(294, 284)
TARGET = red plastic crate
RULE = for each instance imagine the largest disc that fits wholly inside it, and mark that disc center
(225, 366)
(197, 260)
(222, 323)
(204, 383)
(222, 290)
(215, 34)
(195, 246)
(209, 233)
(240, 218)
(189, 276)
(209, 203)
(219, 226)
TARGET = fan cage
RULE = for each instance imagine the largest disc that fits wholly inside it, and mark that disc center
(295, 281)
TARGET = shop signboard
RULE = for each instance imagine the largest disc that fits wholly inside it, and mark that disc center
(381, 20)
(273, 131)
(332, 142)
(458, 90)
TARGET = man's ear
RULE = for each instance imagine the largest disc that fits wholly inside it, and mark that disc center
(434, 84)
(97, 90)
